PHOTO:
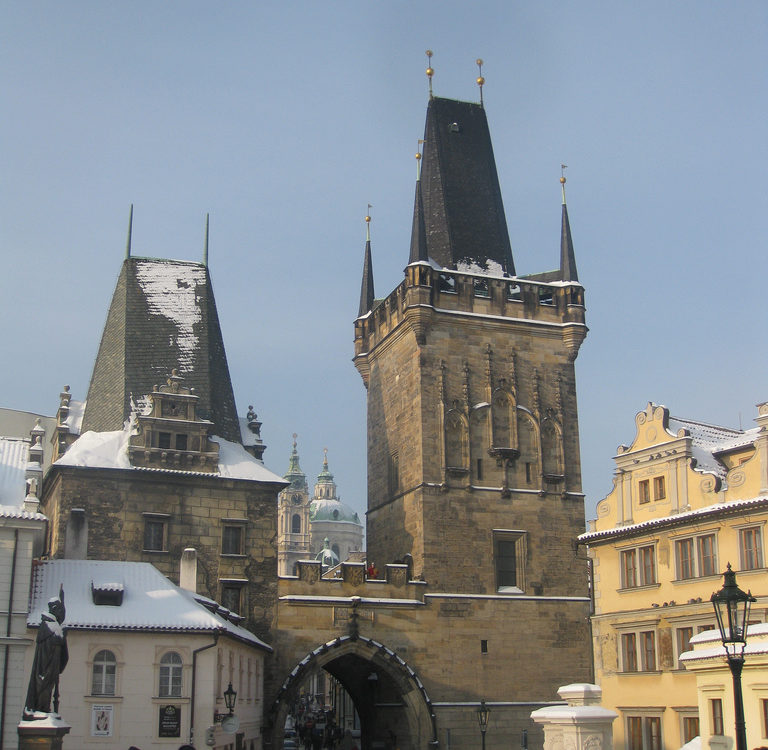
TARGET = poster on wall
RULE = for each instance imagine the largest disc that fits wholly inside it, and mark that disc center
(101, 720)
(170, 721)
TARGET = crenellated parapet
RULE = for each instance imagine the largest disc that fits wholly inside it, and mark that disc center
(428, 291)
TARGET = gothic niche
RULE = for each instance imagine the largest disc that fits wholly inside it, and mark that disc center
(553, 461)
(487, 472)
(503, 435)
(527, 466)
(456, 443)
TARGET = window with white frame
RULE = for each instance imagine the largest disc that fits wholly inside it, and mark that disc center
(751, 547)
(643, 732)
(170, 675)
(103, 673)
(696, 556)
(638, 566)
(638, 651)
(509, 558)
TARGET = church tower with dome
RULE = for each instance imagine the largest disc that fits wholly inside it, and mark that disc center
(333, 521)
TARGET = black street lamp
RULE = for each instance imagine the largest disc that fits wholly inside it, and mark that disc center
(482, 719)
(230, 696)
(732, 611)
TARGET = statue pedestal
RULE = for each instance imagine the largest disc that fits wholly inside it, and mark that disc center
(42, 734)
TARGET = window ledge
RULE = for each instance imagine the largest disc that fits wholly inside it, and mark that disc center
(625, 589)
(509, 590)
(696, 579)
(642, 672)
(170, 699)
(103, 698)
(155, 551)
(233, 554)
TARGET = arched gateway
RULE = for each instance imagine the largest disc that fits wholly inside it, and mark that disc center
(393, 705)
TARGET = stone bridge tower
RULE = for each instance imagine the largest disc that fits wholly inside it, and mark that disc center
(472, 424)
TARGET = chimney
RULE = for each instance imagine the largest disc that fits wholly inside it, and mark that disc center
(188, 570)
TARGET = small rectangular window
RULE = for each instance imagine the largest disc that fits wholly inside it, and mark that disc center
(509, 560)
(764, 707)
(394, 473)
(231, 596)
(751, 548)
(648, 643)
(629, 568)
(659, 490)
(690, 728)
(684, 558)
(232, 540)
(181, 441)
(716, 716)
(684, 636)
(635, 732)
(629, 652)
(644, 491)
(479, 469)
(163, 439)
(707, 556)
(154, 535)
(638, 566)
(483, 647)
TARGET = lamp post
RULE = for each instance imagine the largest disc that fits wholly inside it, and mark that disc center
(482, 719)
(732, 612)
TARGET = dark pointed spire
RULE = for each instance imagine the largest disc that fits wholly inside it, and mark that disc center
(130, 232)
(463, 210)
(366, 288)
(567, 257)
(418, 231)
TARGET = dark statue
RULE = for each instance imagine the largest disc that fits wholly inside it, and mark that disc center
(51, 656)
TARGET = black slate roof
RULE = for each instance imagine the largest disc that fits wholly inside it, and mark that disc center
(162, 316)
(463, 211)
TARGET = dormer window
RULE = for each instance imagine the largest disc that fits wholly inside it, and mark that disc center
(107, 594)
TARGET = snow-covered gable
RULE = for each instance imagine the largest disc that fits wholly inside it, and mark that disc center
(109, 450)
(176, 299)
(74, 419)
(150, 601)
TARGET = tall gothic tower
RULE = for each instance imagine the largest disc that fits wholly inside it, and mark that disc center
(473, 446)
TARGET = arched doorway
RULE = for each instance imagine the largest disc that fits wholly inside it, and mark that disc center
(390, 699)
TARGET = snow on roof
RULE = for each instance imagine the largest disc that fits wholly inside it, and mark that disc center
(173, 297)
(74, 420)
(16, 511)
(247, 437)
(150, 600)
(14, 455)
(706, 440)
(323, 509)
(654, 522)
(109, 450)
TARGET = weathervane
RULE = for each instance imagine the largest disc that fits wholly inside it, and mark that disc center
(430, 71)
(480, 79)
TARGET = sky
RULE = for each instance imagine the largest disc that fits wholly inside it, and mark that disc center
(284, 120)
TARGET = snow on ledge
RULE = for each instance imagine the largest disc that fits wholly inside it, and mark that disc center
(109, 450)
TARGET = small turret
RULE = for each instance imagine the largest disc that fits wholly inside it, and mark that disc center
(366, 288)
(567, 257)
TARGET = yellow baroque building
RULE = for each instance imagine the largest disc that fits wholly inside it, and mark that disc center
(688, 498)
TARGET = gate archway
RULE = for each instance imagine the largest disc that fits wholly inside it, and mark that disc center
(391, 701)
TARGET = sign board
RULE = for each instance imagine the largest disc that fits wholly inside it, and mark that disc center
(101, 720)
(169, 724)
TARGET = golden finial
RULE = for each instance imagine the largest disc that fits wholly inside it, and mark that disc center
(563, 167)
(480, 79)
(430, 71)
(368, 223)
(418, 160)
(294, 440)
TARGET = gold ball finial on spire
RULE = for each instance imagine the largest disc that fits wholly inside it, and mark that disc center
(480, 80)
(430, 70)
(563, 167)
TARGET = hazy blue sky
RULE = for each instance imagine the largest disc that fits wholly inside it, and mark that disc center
(285, 119)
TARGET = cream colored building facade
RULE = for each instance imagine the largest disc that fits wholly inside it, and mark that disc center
(688, 498)
(715, 688)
